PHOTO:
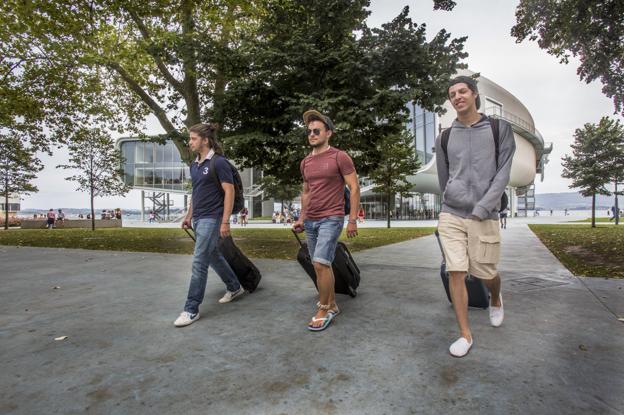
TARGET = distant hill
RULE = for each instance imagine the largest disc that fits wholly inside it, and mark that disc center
(574, 201)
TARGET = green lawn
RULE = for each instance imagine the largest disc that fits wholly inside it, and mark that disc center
(256, 243)
(586, 251)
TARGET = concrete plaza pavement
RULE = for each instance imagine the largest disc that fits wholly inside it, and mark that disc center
(559, 351)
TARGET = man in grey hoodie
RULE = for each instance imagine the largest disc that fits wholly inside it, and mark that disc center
(472, 182)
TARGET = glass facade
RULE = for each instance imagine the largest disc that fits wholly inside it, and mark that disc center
(419, 206)
(422, 124)
(154, 166)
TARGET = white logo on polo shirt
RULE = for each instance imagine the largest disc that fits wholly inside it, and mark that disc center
(205, 170)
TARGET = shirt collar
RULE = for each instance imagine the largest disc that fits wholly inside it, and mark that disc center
(208, 157)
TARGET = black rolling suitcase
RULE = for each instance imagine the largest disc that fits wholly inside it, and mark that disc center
(346, 272)
(247, 273)
(478, 295)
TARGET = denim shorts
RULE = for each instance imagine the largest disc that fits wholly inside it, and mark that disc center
(322, 235)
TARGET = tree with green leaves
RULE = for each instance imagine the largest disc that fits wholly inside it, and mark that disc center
(612, 134)
(274, 189)
(398, 161)
(331, 61)
(591, 30)
(98, 163)
(116, 62)
(18, 168)
(588, 164)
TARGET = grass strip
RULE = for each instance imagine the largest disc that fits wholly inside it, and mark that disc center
(586, 251)
(256, 243)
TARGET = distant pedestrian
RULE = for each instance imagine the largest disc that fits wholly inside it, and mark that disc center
(551, 212)
(565, 212)
(614, 210)
(360, 215)
(51, 218)
(152, 217)
(243, 214)
(503, 218)
(61, 216)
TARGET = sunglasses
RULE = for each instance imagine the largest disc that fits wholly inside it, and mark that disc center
(315, 131)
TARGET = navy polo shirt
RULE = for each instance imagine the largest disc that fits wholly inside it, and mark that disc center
(207, 193)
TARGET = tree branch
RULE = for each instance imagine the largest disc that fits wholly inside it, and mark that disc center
(191, 95)
(177, 85)
(160, 113)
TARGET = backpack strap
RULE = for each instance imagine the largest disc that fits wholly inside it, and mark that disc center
(494, 125)
(446, 134)
(213, 172)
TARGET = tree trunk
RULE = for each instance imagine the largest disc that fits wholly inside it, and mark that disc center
(6, 205)
(92, 209)
(388, 209)
(593, 210)
(617, 208)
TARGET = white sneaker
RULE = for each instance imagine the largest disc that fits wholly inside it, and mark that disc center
(497, 313)
(185, 319)
(460, 348)
(230, 295)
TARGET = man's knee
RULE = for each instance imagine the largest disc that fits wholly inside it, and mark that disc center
(457, 276)
(321, 267)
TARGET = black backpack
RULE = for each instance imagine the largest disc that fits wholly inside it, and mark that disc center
(494, 124)
(239, 199)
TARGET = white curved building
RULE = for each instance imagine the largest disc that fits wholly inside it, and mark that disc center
(528, 162)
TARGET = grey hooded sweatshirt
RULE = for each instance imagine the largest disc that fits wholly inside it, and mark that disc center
(471, 184)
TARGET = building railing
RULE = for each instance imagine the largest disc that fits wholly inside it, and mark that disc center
(512, 118)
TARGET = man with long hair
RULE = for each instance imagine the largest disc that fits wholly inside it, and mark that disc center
(209, 216)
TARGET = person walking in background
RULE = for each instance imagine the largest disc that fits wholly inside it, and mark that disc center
(472, 188)
(503, 218)
(243, 215)
(51, 218)
(325, 172)
(361, 215)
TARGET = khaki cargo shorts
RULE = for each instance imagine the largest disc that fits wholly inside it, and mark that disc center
(470, 245)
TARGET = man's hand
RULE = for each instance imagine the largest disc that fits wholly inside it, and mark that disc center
(225, 229)
(351, 229)
(186, 223)
(298, 226)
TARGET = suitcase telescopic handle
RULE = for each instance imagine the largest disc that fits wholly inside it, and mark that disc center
(190, 233)
(437, 235)
(297, 236)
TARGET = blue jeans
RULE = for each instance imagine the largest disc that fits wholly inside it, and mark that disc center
(322, 235)
(207, 254)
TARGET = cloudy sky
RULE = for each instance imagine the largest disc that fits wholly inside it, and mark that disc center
(552, 92)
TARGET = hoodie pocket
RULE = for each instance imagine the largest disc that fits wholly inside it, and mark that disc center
(457, 194)
(488, 251)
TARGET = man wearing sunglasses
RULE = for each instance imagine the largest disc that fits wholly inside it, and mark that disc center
(325, 172)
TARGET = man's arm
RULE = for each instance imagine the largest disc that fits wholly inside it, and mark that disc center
(186, 223)
(228, 204)
(354, 200)
(305, 198)
(507, 148)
